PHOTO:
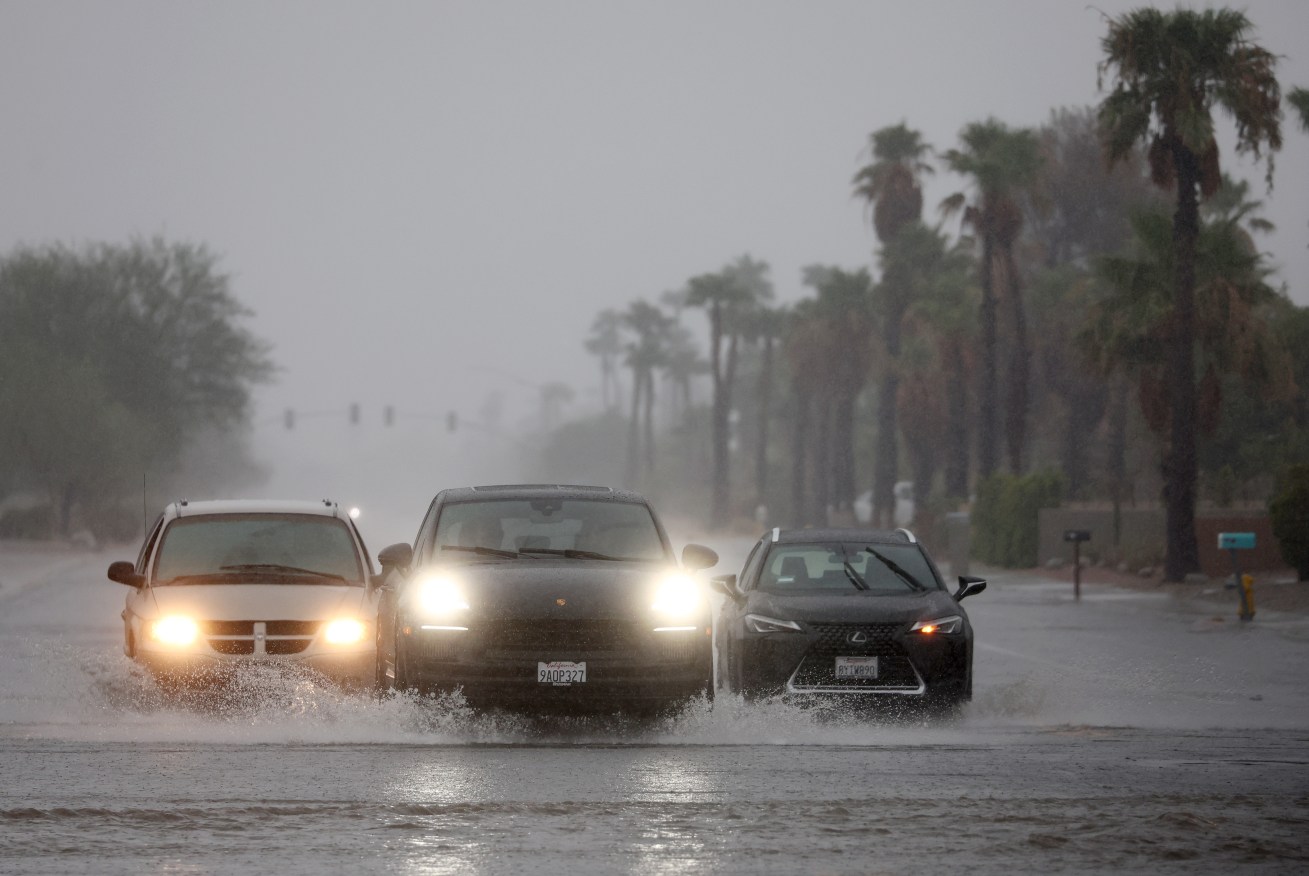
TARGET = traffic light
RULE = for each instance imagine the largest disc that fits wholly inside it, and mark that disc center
(388, 415)
(451, 421)
(354, 413)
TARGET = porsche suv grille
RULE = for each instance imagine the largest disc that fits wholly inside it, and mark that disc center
(565, 637)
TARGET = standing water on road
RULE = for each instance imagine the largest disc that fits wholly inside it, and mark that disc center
(1127, 732)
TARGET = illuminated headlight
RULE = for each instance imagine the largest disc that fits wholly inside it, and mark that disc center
(175, 630)
(938, 626)
(678, 597)
(440, 595)
(758, 623)
(345, 631)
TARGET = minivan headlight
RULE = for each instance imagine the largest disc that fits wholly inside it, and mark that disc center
(344, 631)
(177, 630)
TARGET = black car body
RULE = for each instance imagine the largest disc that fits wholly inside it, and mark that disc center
(851, 615)
(545, 597)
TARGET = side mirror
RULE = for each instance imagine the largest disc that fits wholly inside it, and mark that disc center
(969, 586)
(697, 556)
(726, 585)
(396, 556)
(124, 572)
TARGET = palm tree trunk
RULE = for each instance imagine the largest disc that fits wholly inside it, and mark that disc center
(956, 465)
(634, 432)
(800, 414)
(1020, 359)
(1118, 455)
(721, 411)
(986, 414)
(765, 393)
(649, 423)
(1182, 553)
(822, 446)
(843, 486)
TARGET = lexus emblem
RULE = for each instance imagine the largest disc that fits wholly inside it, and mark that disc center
(858, 637)
(561, 601)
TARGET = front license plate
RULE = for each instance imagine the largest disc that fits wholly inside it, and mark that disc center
(561, 673)
(856, 667)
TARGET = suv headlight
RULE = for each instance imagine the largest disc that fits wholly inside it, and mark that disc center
(678, 598)
(758, 623)
(939, 626)
(440, 595)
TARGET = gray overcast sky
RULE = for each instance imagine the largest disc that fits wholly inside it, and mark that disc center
(403, 189)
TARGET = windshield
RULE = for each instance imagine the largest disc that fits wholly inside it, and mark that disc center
(848, 567)
(233, 546)
(574, 528)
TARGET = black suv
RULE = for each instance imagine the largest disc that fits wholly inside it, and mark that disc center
(854, 616)
(557, 598)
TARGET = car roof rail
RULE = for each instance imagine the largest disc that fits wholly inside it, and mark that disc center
(909, 536)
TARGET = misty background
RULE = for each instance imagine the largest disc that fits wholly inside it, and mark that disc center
(425, 205)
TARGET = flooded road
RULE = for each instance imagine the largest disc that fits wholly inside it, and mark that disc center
(1128, 732)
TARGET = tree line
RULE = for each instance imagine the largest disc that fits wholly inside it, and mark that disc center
(116, 362)
(1094, 300)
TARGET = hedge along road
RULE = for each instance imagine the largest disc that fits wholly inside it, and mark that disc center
(1130, 731)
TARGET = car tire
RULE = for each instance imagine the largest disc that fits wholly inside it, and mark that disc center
(401, 680)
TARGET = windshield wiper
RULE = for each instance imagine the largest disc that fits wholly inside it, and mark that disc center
(481, 551)
(914, 583)
(278, 568)
(575, 554)
(855, 578)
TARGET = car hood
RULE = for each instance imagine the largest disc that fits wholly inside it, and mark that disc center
(259, 601)
(535, 588)
(855, 606)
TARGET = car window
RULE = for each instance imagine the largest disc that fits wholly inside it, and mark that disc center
(625, 530)
(217, 543)
(838, 566)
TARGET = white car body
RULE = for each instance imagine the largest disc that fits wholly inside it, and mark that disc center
(256, 611)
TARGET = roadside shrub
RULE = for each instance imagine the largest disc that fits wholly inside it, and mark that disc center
(1289, 510)
(1005, 517)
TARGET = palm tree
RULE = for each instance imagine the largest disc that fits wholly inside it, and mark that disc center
(1170, 71)
(726, 295)
(765, 326)
(1236, 335)
(1003, 163)
(843, 315)
(1299, 99)
(938, 355)
(891, 186)
(606, 343)
(646, 351)
(803, 344)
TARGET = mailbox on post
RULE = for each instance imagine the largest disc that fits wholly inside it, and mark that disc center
(1233, 542)
(1236, 541)
(1076, 537)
